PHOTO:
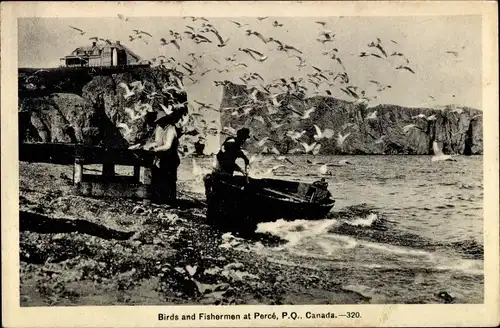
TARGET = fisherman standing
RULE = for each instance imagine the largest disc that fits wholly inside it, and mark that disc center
(230, 152)
(167, 160)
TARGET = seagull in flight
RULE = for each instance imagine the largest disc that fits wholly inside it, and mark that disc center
(257, 34)
(77, 29)
(142, 32)
(238, 24)
(132, 113)
(406, 68)
(341, 139)
(372, 116)
(294, 135)
(207, 106)
(222, 43)
(124, 127)
(122, 17)
(306, 114)
(164, 42)
(312, 148)
(255, 54)
(128, 92)
(328, 37)
(439, 155)
(327, 133)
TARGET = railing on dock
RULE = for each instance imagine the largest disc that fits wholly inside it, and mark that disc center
(106, 184)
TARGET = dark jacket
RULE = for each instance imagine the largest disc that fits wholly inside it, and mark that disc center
(227, 155)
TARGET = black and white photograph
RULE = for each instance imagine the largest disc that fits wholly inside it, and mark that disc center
(273, 160)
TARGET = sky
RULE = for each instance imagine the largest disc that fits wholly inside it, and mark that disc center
(440, 78)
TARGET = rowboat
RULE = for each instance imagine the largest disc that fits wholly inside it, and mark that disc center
(240, 203)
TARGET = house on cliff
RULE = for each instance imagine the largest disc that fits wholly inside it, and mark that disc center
(103, 55)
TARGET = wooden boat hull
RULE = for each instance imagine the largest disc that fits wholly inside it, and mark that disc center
(234, 204)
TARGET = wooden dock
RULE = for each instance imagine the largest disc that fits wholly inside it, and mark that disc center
(108, 183)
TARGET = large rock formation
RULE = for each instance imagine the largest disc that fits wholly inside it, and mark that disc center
(458, 129)
(85, 106)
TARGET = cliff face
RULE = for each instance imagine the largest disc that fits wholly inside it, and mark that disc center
(384, 129)
(82, 106)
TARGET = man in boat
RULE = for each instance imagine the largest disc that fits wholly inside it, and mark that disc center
(230, 152)
(319, 192)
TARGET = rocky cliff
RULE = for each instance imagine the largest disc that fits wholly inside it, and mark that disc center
(92, 106)
(384, 129)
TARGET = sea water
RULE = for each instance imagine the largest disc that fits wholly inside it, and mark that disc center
(403, 228)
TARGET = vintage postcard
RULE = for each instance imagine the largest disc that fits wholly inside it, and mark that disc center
(250, 164)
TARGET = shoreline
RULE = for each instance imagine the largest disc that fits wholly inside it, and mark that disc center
(172, 257)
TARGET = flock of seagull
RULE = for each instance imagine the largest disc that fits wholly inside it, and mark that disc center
(272, 96)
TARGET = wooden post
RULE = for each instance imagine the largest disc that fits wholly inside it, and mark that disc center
(145, 175)
(77, 172)
(137, 172)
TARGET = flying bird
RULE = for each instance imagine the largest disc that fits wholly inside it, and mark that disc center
(173, 41)
(222, 43)
(238, 24)
(255, 54)
(306, 114)
(275, 125)
(168, 110)
(439, 155)
(275, 101)
(321, 23)
(261, 18)
(196, 18)
(286, 48)
(261, 142)
(276, 24)
(341, 139)
(259, 118)
(122, 17)
(372, 116)
(379, 47)
(132, 113)
(128, 92)
(380, 140)
(207, 106)
(124, 127)
(327, 133)
(406, 68)
(350, 92)
(314, 147)
(257, 34)
(142, 32)
(328, 37)
(323, 169)
(137, 86)
(295, 135)
(77, 29)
